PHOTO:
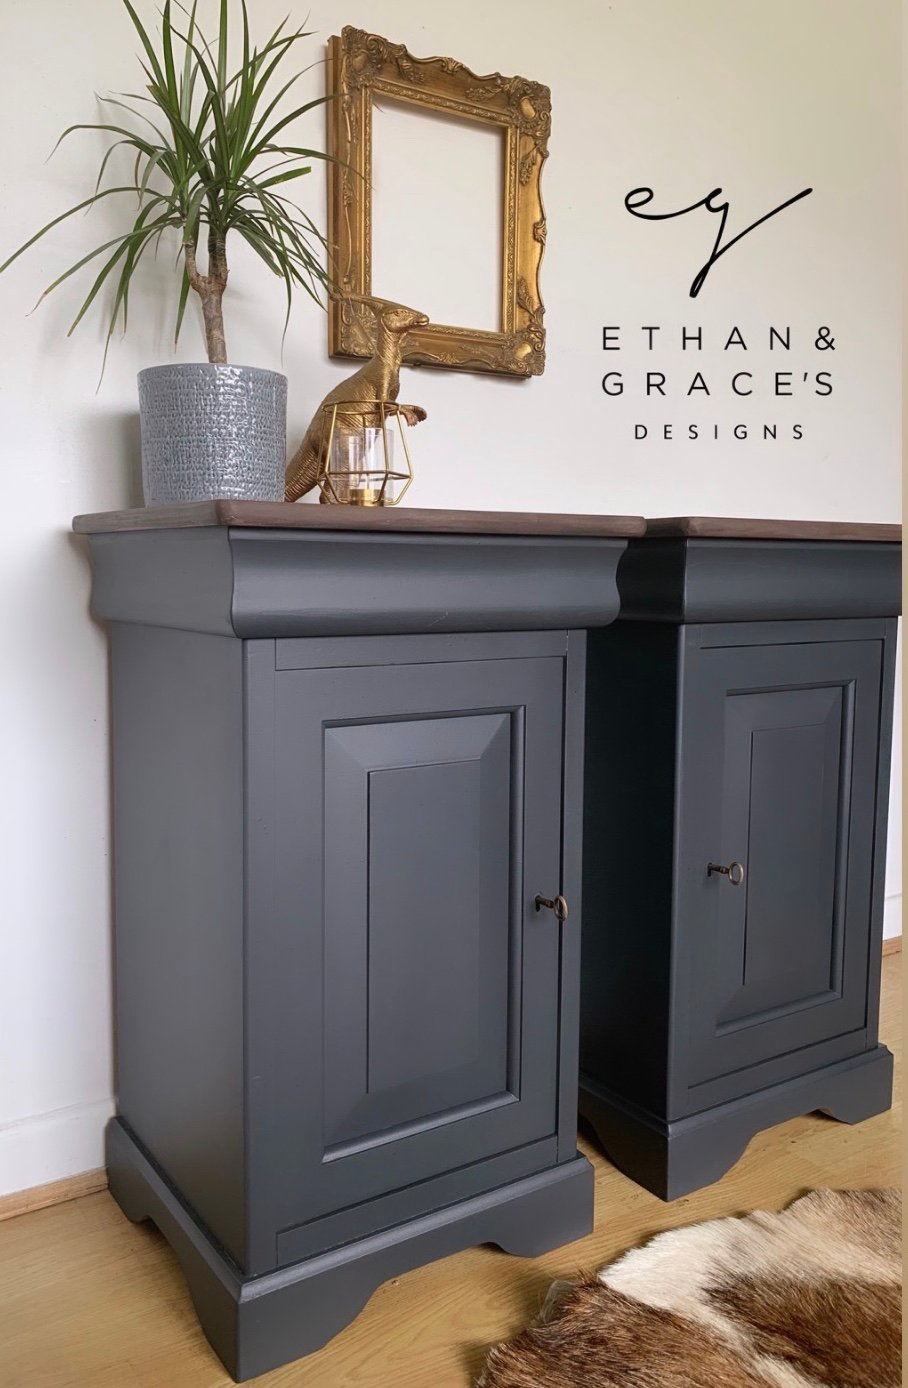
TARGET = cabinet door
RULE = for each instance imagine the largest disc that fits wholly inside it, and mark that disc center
(779, 775)
(414, 988)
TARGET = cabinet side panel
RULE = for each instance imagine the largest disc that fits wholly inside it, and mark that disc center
(572, 890)
(628, 859)
(884, 766)
(178, 833)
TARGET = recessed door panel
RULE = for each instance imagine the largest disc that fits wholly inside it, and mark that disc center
(420, 814)
(782, 747)
(781, 930)
(417, 884)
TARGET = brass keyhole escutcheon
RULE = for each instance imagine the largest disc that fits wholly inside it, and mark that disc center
(734, 872)
(557, 904)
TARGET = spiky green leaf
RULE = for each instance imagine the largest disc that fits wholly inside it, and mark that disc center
(209, 158)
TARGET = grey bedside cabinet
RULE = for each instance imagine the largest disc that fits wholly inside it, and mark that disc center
(733, 889)
(347, 775)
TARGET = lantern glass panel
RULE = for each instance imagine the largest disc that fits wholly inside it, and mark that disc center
(345, 467)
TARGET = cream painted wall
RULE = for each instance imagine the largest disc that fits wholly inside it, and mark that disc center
(761, 96)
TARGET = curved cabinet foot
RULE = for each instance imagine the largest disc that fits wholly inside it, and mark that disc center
(669, 1159)
(256, 1324)
(546, 1218)
(862, 1094)
(125, 1185)
(674, 1158)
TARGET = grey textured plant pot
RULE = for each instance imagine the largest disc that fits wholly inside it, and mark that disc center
(212, 431)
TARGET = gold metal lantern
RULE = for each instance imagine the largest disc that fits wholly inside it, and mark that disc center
(365, 458)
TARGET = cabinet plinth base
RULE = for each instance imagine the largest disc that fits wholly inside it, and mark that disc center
(673, 1158)
(257, 1324)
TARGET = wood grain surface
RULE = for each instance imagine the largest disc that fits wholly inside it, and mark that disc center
(742, 528)
(305, 516)
(53, 1193)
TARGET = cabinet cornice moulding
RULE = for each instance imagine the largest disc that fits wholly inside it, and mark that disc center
(683, 579)
(258, 582)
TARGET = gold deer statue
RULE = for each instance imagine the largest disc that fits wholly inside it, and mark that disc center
(378, 379)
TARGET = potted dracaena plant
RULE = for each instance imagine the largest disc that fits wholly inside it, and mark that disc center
(211, 158)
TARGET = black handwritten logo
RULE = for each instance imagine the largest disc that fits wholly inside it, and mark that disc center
(642, 197)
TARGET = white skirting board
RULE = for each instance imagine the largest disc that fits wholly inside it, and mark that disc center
(892, 916)
(51, 1146)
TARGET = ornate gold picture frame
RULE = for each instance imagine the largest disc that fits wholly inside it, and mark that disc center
(362, 66)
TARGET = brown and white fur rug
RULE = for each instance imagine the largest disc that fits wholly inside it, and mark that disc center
(809, 1298)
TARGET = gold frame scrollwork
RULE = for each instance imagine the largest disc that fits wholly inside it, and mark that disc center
(362, 66)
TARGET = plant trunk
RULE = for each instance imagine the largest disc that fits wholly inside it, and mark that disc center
(214, 324)
(210, 289)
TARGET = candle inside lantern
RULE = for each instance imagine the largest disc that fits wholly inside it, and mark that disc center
(358, 467)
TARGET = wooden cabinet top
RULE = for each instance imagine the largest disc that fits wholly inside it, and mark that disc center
(731, 528)
(395, 519)
(272, 515)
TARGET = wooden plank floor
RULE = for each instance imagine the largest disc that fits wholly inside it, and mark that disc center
(88, 1300)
